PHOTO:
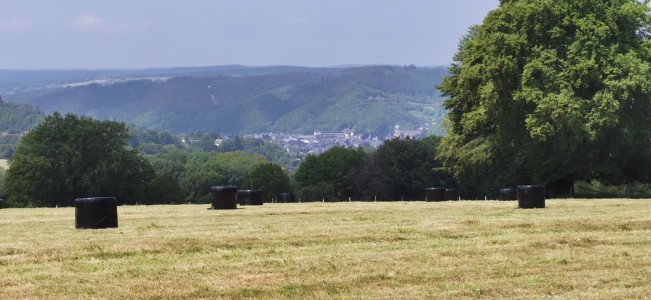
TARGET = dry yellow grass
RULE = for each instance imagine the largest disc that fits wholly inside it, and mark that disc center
(583, 249)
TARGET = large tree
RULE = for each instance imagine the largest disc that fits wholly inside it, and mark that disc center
(203, 170)
(324, 176)
(551, 91)
(271, 179)
(399, 169)
(64, 158)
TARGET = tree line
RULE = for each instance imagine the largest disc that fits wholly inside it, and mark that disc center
(399, 169)
(69, 157)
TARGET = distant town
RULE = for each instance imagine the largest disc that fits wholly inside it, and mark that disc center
(299, 146)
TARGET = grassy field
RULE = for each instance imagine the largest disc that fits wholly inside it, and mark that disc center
(573, 249)
(4, 163)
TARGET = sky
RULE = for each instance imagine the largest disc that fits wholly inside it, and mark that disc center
(133, 34)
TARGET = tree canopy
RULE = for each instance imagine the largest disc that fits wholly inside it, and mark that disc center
(271, 179)
(323, 176)
(551, 91)
(399, 169)
(69, 157)
(203, 170)
(16, 118)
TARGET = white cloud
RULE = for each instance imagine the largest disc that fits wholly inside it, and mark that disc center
(14, 25)
(92, 24)
(86, 23)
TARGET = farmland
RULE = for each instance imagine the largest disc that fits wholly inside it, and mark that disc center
(571, 249)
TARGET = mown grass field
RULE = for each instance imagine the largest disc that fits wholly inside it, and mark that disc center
(573, 249)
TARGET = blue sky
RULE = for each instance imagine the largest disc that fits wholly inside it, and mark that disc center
(92, 34)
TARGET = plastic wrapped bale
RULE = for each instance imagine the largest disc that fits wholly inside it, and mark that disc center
(96, 213)
(531, 196)
(242, 197)
(223, 197)
(508, 194)
(2, 204)
(255, 197)
(286, 198)
(249, 197)
(434, 194)
(451, 195)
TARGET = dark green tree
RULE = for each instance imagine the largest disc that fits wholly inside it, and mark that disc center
(201, 142)
(168, 167)
(368, 182)
(203, 170)
(2, 183)
(549, 92)
(64, 158)
(16, 118)
(235, 143)
(164, 189)
(400, 169)
(170, 162)
(271, 179)
(272, 151)
(140, 136)
(7, 145)
(327, 171)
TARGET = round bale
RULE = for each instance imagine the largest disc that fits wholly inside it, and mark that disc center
(223, 197)
(434, 194)
(243, 197)
(255, 197)
(531, 196)
(249, 197)
(451, 195)
(286, 198)
(507, 194)
(96, 213)
(2, 204)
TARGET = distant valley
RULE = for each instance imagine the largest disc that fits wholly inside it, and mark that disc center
(241, 100)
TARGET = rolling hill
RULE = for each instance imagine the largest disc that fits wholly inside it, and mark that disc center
(17, 118)
(246, 100)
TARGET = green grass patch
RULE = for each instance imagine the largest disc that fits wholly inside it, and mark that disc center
(469, 249)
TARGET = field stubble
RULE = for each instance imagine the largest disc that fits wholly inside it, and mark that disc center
(571, 249)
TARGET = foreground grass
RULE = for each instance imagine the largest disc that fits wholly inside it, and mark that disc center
(572, 249)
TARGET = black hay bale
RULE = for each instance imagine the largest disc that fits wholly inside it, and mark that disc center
(255, 197)
(96, 213)
(434, 194)
(223, 197)
(241, 197)
(508, 194)
(531, 196)
(286, 198)
(451, 195)
(249, 197)
(2, 204)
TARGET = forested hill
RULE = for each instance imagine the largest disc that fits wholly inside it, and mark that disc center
(367, 99)
(17, 118)
(19, 81)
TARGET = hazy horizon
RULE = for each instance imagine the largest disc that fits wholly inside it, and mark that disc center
(210, 66)
(90, 35)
